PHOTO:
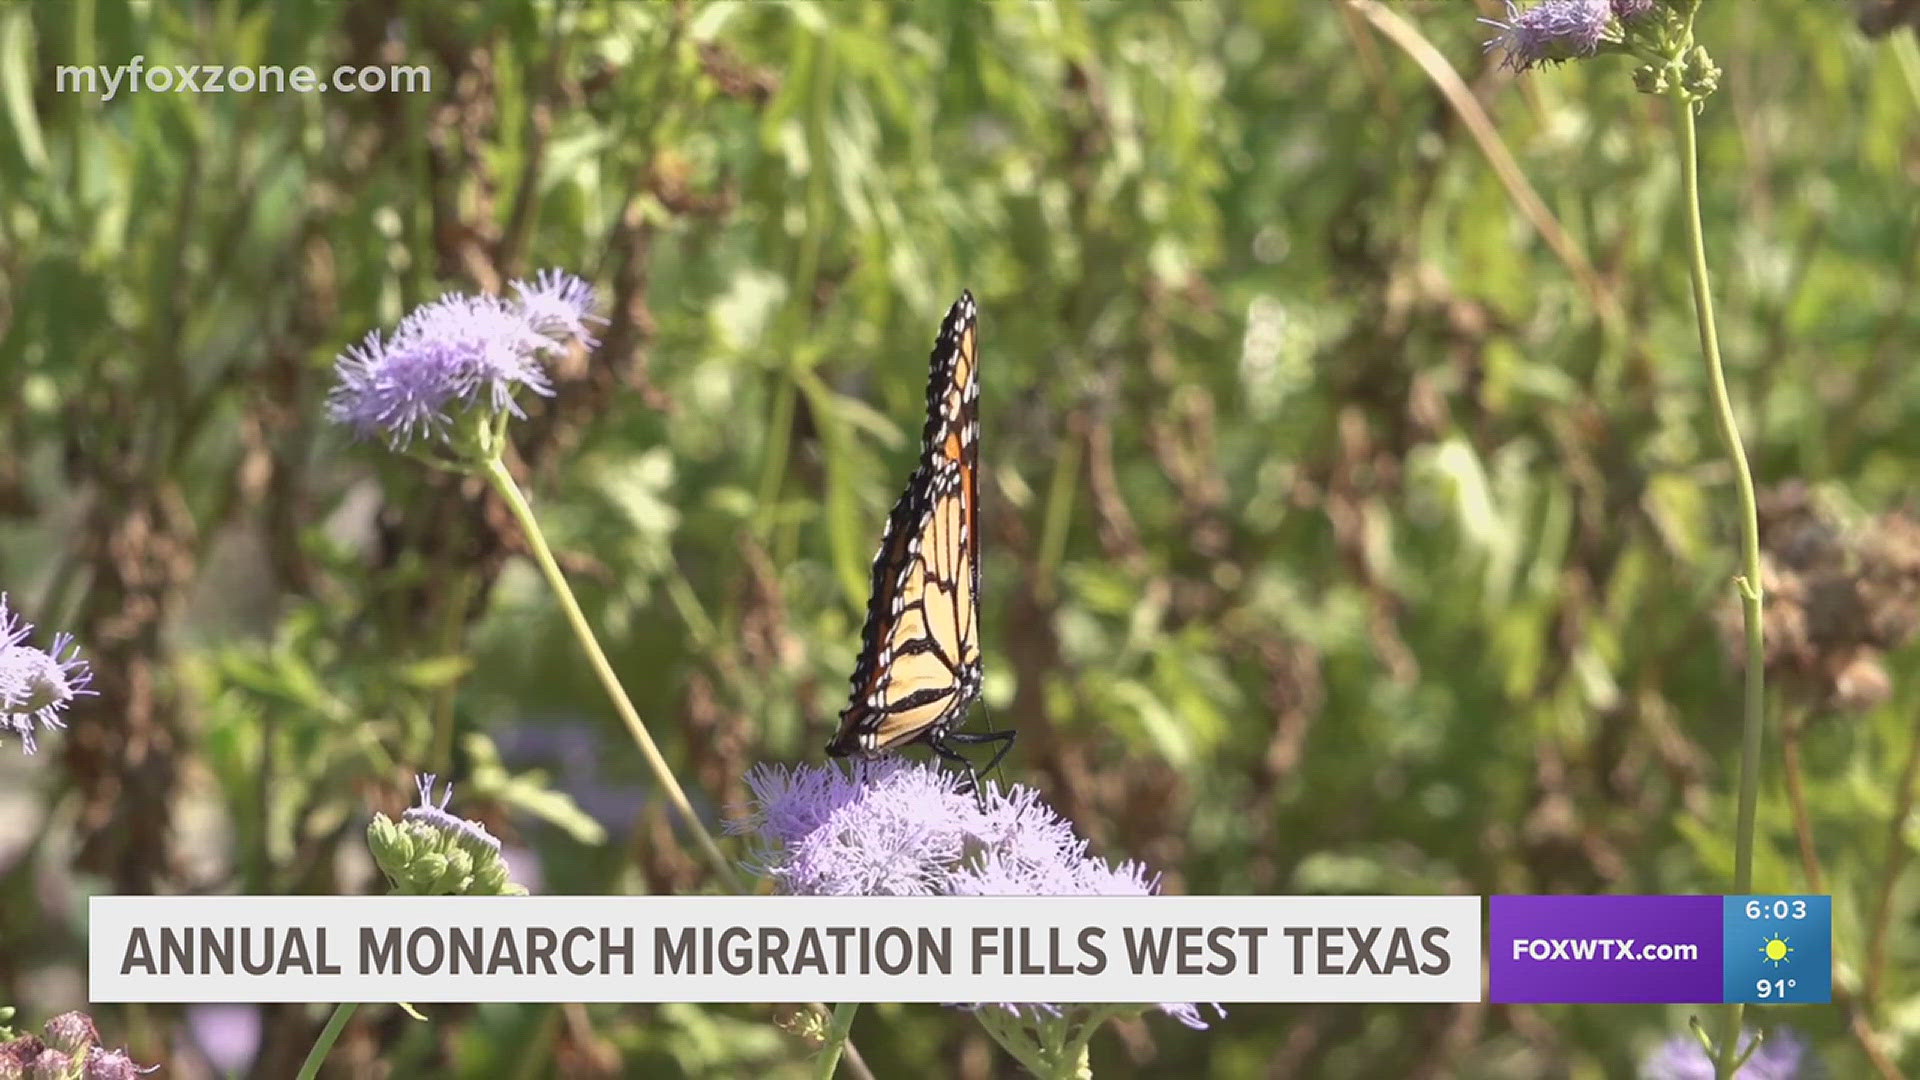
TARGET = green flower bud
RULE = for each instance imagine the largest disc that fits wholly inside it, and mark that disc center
(805, 1022)
(430, 852)
(459, 873)
(1701, 75)
(427, 872)
(392, 848)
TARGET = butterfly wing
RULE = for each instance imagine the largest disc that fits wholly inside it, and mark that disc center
(919, 668)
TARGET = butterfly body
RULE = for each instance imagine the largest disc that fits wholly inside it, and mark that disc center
(919, 670)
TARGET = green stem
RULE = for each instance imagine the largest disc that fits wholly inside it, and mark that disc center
(1059, 516)
(322, 1045)
(1078, 1045)
(454, 623)
(1067, 1059)
(1013, 1038)
(1749, 585)
(502, 480)
(829, 1060)
(84, 33)
(1907, 55)
(779, 434)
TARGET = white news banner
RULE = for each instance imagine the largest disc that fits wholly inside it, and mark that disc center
(784, 948)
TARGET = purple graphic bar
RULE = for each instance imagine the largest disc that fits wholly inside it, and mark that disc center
(1568, 949)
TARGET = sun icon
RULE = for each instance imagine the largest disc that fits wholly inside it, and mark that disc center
(1776, 950)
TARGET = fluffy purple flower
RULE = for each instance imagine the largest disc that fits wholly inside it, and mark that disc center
(895, 828)
(559, 305)
(437, 816)
(884, 829)
(1550, 32)
(36, 685)
(1632, 10)
(70, 1050)
(70, 1032)
(1781, 1056)
(103, 1064)
(17, 1056)
(1029, 863)
(459, 353)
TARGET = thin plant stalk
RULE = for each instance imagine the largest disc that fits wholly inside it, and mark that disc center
(323, 1045)
(502, 480)
(828, 1061)
(1077, 1045)
(1473, 116)
(1753, 727)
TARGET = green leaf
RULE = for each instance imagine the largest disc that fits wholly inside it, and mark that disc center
(850, 535)
(18, 65)
(435, 672)
(528, 792)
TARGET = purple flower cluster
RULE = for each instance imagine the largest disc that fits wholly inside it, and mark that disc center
(36, 685)
(68, 1046)
(883, 829)
(460, 353)
(894, 828)
(1551, 32)
(437, 816)
(1781, 1056)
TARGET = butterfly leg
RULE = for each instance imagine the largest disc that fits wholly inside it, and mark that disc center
(946, 752)
(1004, 738)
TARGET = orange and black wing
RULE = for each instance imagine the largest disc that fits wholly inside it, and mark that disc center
(919, 666)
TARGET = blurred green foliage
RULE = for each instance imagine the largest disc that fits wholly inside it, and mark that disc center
(1334, 542)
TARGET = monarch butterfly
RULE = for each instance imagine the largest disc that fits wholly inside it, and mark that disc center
(919, 667)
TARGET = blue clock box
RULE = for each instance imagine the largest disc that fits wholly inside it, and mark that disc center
(1778, 949)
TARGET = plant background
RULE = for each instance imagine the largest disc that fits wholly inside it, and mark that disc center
(1335, 543)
